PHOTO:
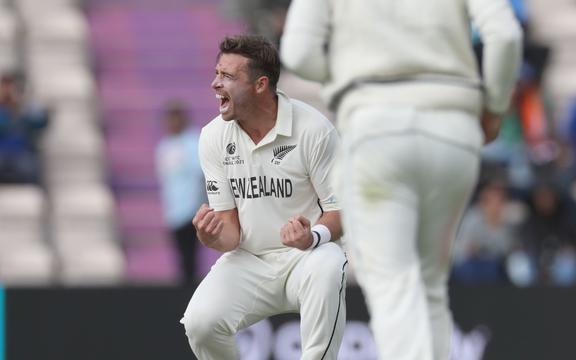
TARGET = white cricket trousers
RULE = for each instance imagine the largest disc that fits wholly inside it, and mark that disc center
(242, 289)
(404, 178)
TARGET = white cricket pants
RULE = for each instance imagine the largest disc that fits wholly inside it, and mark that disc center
(241, 289)
(404, 178)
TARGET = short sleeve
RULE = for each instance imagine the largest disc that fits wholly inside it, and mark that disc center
(217, 188)
(321, 163)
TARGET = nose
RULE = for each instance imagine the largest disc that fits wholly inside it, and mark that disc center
(216, 83)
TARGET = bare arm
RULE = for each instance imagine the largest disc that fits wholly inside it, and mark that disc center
(491, 124)
(297, 232)
(219, 230)
(331, 219)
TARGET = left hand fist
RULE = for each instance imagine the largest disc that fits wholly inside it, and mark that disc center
(296, 233)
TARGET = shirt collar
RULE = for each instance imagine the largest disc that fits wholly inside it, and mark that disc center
(284, 117)
(283, 124)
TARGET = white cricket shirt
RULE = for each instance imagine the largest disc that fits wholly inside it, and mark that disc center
(338, 42)
(285, 174)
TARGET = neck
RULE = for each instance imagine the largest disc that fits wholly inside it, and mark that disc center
(261, 119)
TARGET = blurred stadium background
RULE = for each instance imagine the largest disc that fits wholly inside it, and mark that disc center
(82, 235)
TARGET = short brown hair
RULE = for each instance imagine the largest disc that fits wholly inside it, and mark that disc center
(262, 55)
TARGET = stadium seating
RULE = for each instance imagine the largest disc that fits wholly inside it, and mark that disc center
(70, 235)
(146, 54)
(25, 257)
(8, 33)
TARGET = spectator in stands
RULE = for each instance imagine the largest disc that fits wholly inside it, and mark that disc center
(549, 230)
(521, 267)
(21, 125)
(487, 235)
(561, 171)
(182, 184)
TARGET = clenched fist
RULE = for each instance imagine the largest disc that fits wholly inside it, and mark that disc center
(208, 226)
(296, 233)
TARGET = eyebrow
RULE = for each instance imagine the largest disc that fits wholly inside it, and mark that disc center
(216, 71)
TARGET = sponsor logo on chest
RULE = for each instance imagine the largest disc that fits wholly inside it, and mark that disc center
(261, 186)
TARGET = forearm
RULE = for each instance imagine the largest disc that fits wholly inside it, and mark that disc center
(228, 240)
(219, 230)
(331, 219)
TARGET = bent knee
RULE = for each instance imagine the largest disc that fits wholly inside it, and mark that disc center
(196, 330)
(200, 326)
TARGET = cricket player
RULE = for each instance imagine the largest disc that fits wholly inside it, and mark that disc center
(266, 159)
(413, 112)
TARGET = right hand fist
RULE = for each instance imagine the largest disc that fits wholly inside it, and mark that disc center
(208, 225)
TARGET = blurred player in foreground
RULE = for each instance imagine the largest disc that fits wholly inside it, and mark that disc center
(266, 160)
(413, 112)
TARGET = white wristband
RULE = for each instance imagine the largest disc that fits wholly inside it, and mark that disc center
(320, 235)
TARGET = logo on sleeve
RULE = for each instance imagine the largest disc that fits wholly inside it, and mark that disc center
(280, 152)
(212, 187)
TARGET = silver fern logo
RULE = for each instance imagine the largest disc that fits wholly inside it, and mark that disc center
(280, 152)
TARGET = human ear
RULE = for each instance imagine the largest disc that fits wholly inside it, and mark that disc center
(262, 84)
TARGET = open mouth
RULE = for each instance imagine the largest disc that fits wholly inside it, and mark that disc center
(224, 102)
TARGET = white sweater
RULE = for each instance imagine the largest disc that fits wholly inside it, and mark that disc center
(418, 51)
